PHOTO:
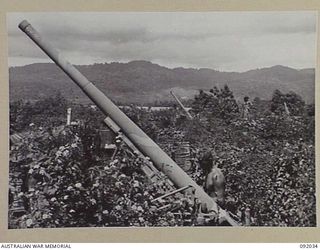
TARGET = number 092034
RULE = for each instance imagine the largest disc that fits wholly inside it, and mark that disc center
(305, 245)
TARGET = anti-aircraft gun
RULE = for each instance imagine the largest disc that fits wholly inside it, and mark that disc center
(140, 140)
(189, 116)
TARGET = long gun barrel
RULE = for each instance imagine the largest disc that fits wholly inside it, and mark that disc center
(148, 147)
(286, 108)
(181, 105)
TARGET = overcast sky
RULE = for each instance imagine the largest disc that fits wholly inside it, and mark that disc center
(226, 41)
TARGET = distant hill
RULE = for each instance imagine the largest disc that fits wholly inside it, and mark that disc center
(145, 82)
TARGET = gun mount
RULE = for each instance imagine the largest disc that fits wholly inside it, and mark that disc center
(147, 146)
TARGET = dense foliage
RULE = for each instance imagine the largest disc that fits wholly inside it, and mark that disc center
(291, 101)
(268, 162)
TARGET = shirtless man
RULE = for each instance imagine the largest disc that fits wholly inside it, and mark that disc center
(214, 183)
